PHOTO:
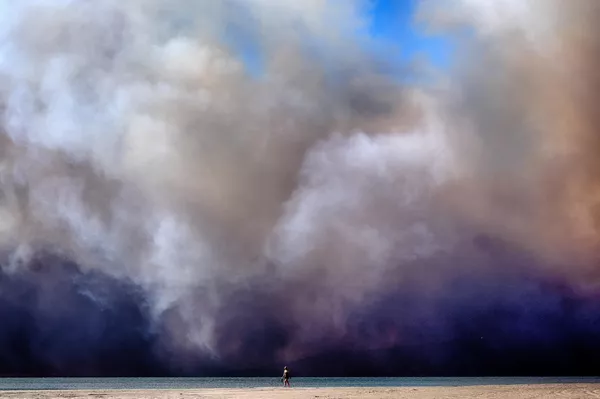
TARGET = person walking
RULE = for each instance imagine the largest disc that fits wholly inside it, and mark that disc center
(286, 377)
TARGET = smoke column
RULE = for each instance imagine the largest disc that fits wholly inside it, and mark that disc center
(163, 199)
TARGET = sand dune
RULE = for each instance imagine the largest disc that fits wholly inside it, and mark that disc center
(488, 392)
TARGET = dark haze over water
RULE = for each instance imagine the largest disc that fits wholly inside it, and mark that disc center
(104, 329)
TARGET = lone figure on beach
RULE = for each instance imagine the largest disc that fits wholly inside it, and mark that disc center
(286, 377)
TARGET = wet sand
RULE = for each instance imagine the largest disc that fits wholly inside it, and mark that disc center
(575, 391)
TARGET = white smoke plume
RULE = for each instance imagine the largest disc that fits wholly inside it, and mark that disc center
(136, 141)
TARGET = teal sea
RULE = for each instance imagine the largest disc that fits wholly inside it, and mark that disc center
(12, 384)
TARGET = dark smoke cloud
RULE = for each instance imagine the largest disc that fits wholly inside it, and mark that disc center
(57, 320)
(165, 210)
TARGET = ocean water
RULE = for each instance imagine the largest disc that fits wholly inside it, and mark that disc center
(12, 384)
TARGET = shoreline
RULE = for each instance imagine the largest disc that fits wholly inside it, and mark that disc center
(568, 391)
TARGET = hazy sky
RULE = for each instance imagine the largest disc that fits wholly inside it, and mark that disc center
(393, 21)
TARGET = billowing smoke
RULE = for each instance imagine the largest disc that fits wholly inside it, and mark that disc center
(229, 185)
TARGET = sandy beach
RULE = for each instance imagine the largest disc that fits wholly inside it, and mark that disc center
(488, 392)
